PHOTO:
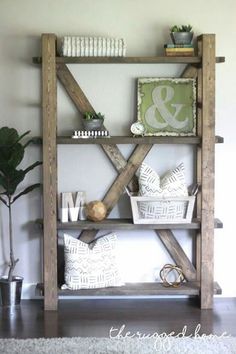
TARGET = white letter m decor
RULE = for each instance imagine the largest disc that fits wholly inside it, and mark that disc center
(70, 205)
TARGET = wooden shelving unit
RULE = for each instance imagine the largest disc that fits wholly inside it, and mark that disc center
(199, 275)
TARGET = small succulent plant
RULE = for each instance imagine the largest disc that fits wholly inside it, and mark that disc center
(93, 115)
(182, 28)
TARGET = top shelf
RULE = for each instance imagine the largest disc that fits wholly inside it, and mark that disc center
(128, 60)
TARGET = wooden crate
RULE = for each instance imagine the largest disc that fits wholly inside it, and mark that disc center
(153, 210)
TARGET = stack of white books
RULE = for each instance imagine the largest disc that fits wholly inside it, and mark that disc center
(92, 47)
(90, 134)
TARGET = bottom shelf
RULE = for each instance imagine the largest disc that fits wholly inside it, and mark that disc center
(138, 289)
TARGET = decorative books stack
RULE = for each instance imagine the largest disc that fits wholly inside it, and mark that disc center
(85, 134)
(179, 50)
(92, 47)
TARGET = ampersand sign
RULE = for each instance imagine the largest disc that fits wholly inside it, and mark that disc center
(160, 105)
(167, 106)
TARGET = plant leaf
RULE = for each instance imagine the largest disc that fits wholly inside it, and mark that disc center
(26, 190)
(11, 155)
(15, 156)
(31, 167)
(3, 181)
(8, 136)
(13, 180)
(3, 200)
(11, 152)
(34, 140)
(22, 136)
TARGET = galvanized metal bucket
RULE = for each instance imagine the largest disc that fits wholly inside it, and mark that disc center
(180, 38)
(11, 291)
(92, 124)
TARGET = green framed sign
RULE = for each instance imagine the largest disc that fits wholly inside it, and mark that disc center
(167, 106)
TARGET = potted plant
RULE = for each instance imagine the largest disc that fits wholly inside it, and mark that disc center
(93, 121)
(181, 34)
(12, 152)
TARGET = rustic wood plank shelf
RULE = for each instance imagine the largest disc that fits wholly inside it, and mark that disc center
(127, 224)
(136, 140)
(138, 289)
(128, 60)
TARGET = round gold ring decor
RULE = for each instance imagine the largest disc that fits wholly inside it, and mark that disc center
(167, 270)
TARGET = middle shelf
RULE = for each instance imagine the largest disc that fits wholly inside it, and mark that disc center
(127, 224)
(136, 140)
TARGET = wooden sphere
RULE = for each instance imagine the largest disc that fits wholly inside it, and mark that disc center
(96, 210)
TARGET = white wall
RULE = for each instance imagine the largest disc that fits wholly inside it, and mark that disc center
(111, 90)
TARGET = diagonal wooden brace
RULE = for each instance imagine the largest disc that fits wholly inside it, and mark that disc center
(83, 105)
(177, 253)
(117, 188)
(166, 236)
(112, 151)
(190, 71)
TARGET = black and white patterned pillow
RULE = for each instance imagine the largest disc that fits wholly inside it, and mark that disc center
(87, 268)
(173, 183)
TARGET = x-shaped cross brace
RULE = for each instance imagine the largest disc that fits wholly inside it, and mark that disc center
(126, 170)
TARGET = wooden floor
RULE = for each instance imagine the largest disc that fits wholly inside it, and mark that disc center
(95, 318)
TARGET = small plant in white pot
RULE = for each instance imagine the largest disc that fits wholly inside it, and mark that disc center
(93, 121)
(181, 35)
(11, 155)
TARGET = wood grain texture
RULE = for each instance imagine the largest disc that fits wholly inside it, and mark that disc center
(73, 89)
(144, 289)
(166, 236)
(127, 224)
(190, 71)
(49, 110)
(208, 153)
(128, 60)
(177, 253)
(117, 188)
(199, 168)
(191, 140)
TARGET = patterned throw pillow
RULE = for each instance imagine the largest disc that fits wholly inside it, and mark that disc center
(87, 268)
(173, 183)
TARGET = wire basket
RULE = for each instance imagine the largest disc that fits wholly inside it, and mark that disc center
(153, 210)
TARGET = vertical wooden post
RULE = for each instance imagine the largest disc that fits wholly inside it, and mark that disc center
(208, 161)
(199, 164)
(49, 102)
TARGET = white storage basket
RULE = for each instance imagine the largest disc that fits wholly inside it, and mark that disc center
(153, 210)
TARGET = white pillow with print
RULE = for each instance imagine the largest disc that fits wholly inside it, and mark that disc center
(172, 184)
(87, 268)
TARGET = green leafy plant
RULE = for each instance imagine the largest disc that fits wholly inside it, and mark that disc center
(11, 154)
(93, 115)
(182, 28)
